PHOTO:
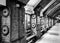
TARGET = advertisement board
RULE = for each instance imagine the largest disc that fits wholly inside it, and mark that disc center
(3, 2)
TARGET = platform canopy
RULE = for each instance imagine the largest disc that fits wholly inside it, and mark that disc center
(3, 2)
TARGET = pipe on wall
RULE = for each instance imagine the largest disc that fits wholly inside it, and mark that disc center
(45, 8)
(31, 5)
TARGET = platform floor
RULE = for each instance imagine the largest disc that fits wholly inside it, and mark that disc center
(52, 36)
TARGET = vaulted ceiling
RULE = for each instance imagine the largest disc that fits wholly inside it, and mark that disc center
(42, 4)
